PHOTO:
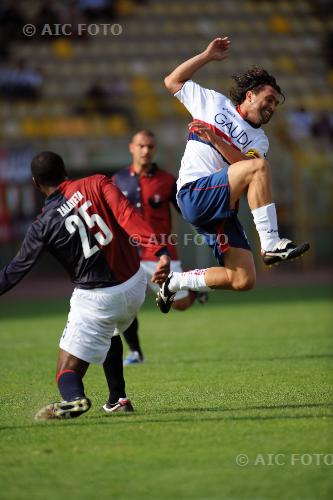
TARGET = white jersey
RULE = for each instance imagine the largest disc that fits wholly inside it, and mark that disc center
(201, 158)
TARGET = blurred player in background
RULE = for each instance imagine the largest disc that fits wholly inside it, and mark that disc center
(224, 158)
(85, 224)
(151, 190)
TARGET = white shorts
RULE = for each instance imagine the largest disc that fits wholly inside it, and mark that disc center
(175, 265)
(98, 314)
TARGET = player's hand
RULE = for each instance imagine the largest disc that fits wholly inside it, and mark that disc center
(217, 50)
(203, 131)
(162, 270)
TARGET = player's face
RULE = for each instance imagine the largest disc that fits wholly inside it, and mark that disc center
(263, 105)
(142, 149)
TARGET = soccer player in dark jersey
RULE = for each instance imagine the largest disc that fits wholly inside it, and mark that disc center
(152, 191)
(224, 158)
(85, 224)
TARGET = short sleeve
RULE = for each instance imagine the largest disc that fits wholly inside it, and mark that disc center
(195, 98)
(258, 148)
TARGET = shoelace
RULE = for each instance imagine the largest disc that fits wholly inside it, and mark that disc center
(283, 244)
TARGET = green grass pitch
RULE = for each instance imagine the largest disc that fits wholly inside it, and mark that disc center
(245, 374)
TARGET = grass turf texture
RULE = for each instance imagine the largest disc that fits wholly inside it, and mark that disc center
(244, 374)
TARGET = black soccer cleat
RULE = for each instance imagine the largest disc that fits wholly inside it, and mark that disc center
(285, 250)
(64, 409)
(164, 297)
(121, 406)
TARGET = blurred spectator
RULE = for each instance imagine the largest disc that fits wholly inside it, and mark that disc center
(95, 10)
(51, 13)
(323, 7)
(11, 23)
(20, 82)
(105, 99)
(322, 126)
(328, 48)
(300, 123)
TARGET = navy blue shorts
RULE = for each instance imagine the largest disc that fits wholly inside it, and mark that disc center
(205, 203)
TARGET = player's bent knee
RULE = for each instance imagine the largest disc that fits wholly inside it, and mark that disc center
(261, 166)
(244, 283)
(248, 284)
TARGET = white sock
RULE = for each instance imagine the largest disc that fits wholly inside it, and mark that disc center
(266, 223)
(190, 280)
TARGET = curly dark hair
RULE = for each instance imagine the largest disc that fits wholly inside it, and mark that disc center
(253, 79)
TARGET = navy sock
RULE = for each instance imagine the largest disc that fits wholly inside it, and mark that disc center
(113, 370)
(70, 385)
(132, 338)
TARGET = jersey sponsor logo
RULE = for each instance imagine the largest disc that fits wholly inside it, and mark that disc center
(70, 204)
(229, 112)
(234, 131)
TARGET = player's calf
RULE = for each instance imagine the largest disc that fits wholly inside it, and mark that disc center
(243, 283)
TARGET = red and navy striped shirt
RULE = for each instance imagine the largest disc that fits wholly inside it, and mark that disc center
(86, 225)
(151, 193)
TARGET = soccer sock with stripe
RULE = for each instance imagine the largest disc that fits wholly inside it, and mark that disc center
(189, 280)
(70, 385)
(265, 220)
(114, 371)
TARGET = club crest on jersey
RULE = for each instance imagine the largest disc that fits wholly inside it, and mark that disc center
(155, 201)
(234, 131)
(253, 153)
(70, 204)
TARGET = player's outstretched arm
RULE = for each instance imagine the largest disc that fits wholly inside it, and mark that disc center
(24, 260)
(216, 51)
(231, 154)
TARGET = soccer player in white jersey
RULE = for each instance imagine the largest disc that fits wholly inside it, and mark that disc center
(225, 157)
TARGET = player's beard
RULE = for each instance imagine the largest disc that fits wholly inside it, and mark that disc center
(265, 115)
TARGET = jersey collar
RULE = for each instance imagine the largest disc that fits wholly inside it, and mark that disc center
(53, 195)
(152, 171)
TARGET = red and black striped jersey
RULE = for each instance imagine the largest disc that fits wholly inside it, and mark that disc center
(151, 193)
(87, 226)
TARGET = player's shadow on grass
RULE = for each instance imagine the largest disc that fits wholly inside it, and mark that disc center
(260, 296)
(296, 356)
(170, 416)
(201, 360)
(257, 407)
(92, 421)
(18, 308)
